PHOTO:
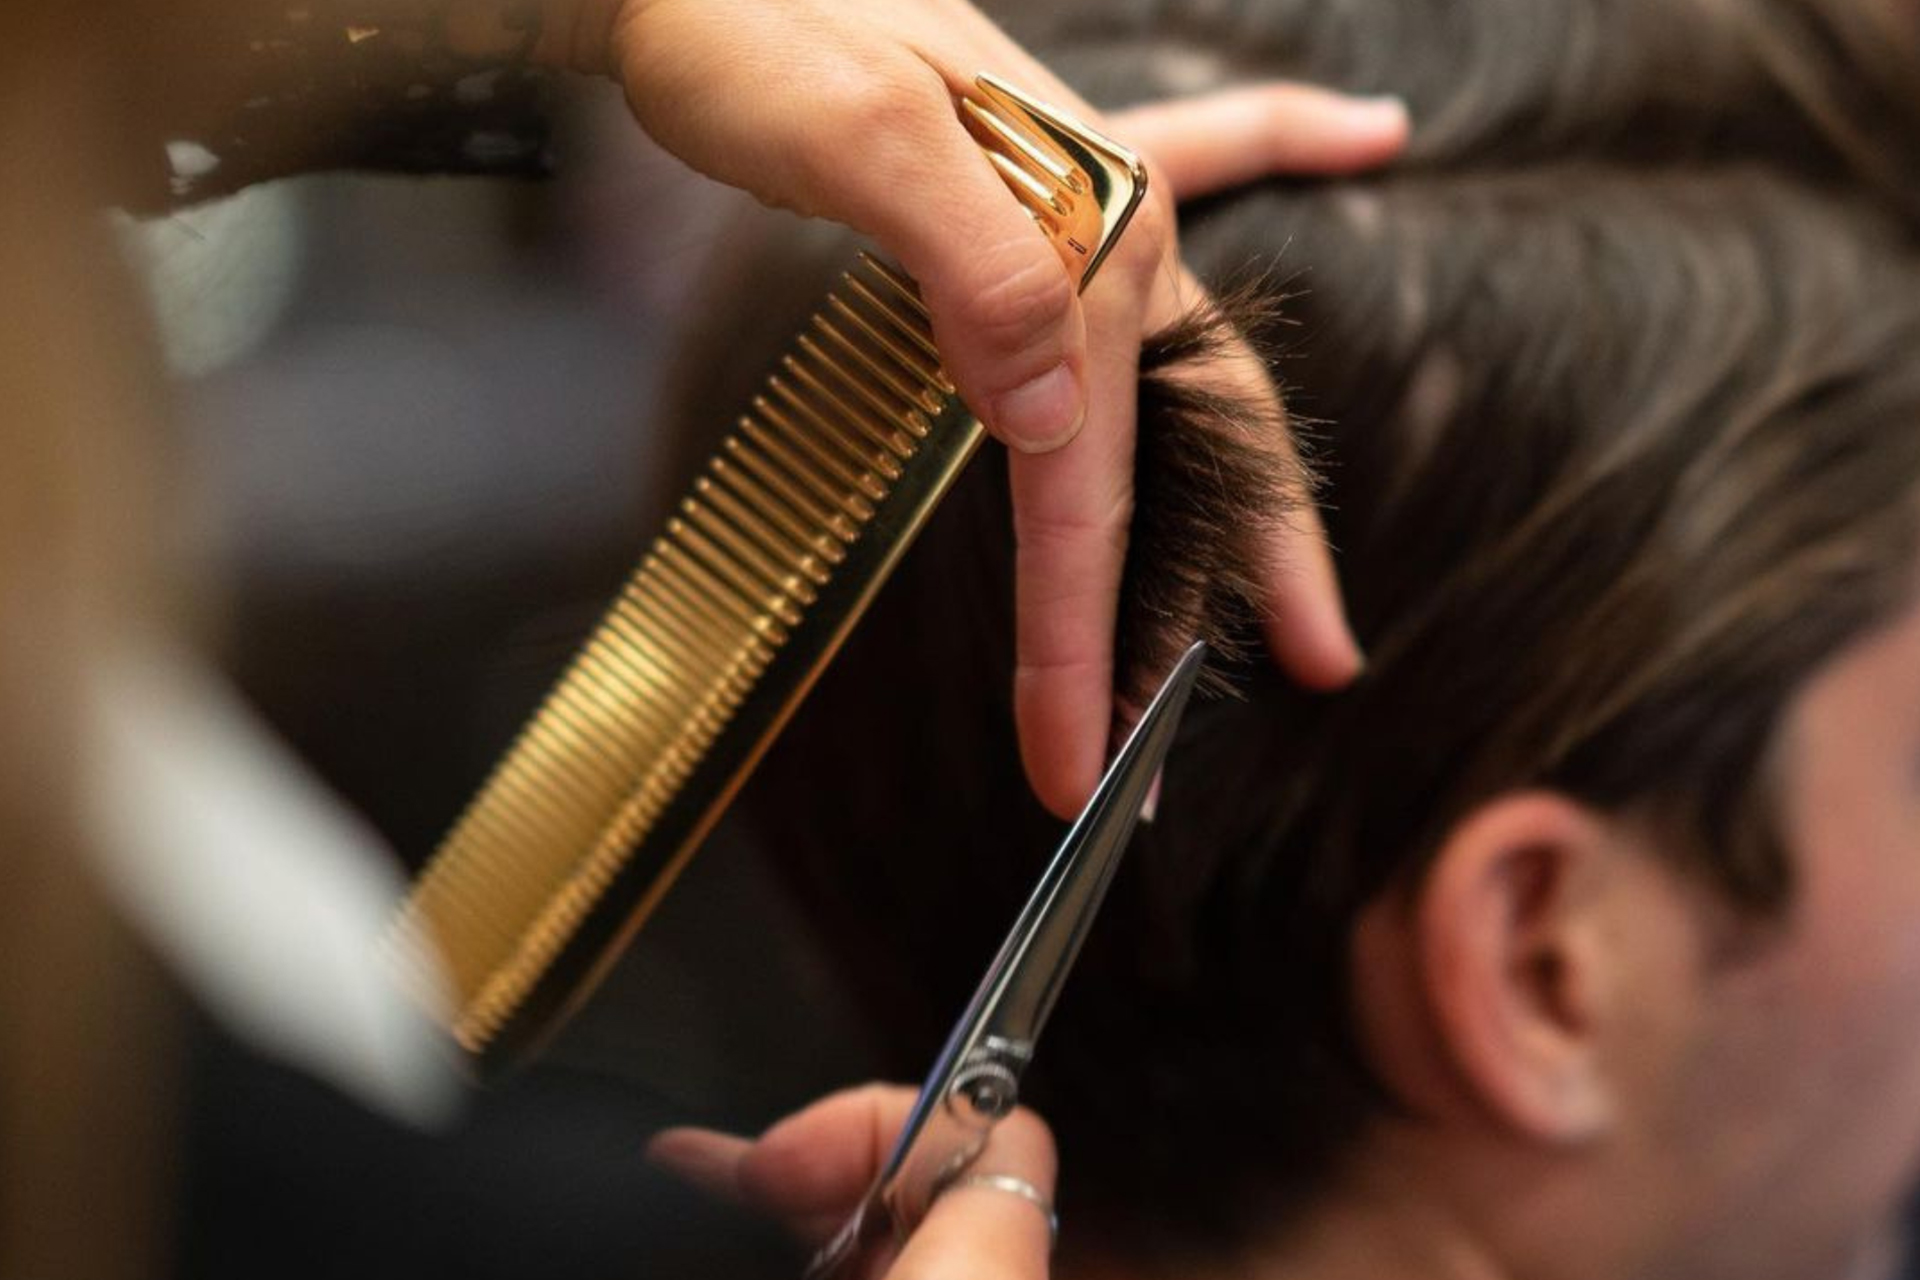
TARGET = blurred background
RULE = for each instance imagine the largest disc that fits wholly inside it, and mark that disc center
(429, 428)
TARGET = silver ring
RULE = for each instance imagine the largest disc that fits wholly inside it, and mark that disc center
(1014, 1187)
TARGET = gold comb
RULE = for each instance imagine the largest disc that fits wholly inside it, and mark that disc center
(761, 572)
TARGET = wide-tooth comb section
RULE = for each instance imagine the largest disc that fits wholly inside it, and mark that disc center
(1002, 140)
(1040, 180)
(762, 569)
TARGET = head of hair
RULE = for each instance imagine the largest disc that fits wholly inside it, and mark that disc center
(1610, 391)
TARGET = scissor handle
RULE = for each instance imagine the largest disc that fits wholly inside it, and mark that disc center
(1082, 190)
(869, 1226)
(945, 1142)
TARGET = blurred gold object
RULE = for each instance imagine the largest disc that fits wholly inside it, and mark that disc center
(734, 612)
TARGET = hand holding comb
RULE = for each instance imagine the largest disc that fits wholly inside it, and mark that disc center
(760, 574)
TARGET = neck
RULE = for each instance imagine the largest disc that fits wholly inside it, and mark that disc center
(1368, 1239)
(1374, 1233)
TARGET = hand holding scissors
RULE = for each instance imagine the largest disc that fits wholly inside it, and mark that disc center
(975, 1083)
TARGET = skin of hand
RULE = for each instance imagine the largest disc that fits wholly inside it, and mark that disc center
(811, 1169)
(845, 109)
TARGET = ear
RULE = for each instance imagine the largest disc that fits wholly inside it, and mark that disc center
(1517, 967)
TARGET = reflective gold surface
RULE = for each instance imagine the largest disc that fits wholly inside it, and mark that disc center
(735, 610)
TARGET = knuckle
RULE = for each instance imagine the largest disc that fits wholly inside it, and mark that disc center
(1025, 306)
(1060, 670)
(1040, 533)
(866, 98)
(1151, 242)
(1157, 213)
(885, 111)
(873, 1096)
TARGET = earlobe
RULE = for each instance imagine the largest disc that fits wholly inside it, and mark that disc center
(1516, 964)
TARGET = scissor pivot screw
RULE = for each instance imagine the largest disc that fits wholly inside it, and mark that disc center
(990, 1089)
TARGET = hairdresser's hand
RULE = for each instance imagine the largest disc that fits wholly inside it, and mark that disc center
(811, 1169)
(845, 109)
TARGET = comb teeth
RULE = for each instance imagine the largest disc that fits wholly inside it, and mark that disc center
(1047, 184)
(739, 566)
(762, 570)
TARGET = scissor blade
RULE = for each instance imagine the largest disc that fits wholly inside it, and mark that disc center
(1039, 953)
(993, 1041)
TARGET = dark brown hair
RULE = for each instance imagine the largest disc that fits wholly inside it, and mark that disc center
(1619, 434)
(1823, 89)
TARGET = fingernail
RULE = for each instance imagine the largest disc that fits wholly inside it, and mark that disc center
(1042, 415)
(1384, 111)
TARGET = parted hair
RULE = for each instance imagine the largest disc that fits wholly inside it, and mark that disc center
(1611, 393)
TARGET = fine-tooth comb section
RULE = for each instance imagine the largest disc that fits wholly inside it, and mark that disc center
(735, 570)
(758, 576)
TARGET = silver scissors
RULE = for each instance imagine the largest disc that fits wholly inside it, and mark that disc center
(975, 1082)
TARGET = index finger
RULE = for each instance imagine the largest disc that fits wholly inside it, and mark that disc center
(1072, 513)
